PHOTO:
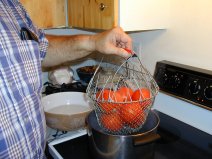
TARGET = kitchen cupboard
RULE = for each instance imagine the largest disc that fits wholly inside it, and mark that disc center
(130, 15)
(46, 13)
(87, 13)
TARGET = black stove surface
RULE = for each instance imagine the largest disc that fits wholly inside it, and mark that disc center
(70, 87)
(178, 141)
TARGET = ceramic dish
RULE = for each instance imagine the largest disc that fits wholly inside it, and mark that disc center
(66, 110)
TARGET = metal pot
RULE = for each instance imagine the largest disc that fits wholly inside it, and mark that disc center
(133, 146)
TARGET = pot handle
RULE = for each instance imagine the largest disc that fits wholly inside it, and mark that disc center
(145, 139)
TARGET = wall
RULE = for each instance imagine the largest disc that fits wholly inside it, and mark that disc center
(187, 40)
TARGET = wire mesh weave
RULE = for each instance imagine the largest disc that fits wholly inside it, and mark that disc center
(122, 95)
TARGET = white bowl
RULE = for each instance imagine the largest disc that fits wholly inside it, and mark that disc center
(66, 110)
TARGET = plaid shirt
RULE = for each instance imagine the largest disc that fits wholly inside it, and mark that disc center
(22, 121)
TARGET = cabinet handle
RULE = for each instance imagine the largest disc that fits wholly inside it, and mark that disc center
(102, 6)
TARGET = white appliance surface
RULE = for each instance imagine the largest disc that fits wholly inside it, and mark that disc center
(184, 111)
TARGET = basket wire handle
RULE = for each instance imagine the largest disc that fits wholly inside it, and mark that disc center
(133, 54)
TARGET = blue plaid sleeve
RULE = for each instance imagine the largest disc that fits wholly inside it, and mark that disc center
(43, 42)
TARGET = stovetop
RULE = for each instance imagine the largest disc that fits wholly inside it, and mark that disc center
(178, 141)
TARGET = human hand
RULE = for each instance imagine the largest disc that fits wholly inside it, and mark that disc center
(113, 41)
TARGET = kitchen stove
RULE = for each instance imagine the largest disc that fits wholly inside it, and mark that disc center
(178, 141)
(185, 94)
(184, 134)
(191, 84)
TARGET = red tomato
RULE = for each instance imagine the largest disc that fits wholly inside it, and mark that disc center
(141, 94)
(109, 95)
(146, 104)
(108, 100)
(137, 123)
(116, 97)
(132, 114)
(107, 106)
(103, 95)
(111, 122)
(126, 93)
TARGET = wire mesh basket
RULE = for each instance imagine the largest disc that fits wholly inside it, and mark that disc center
(122, 95)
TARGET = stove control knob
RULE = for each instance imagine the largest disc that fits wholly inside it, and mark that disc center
(161, 77)
(194, 87)
(165, 77)
(208, 92)
(176, 80)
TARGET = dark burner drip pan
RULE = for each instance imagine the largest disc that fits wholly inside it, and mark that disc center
(71, 87)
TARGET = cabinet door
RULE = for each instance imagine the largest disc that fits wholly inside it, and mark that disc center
(93, 14)
(46, 13)
(133, 15)
(76, 13)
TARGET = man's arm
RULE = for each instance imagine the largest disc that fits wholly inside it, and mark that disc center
(68, 48)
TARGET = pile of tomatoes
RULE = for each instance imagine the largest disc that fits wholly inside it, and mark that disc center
(123, 107)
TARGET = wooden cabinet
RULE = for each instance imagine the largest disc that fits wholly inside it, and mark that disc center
(46, 13)
(130, 15)
(133, 15)
(87, 13)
